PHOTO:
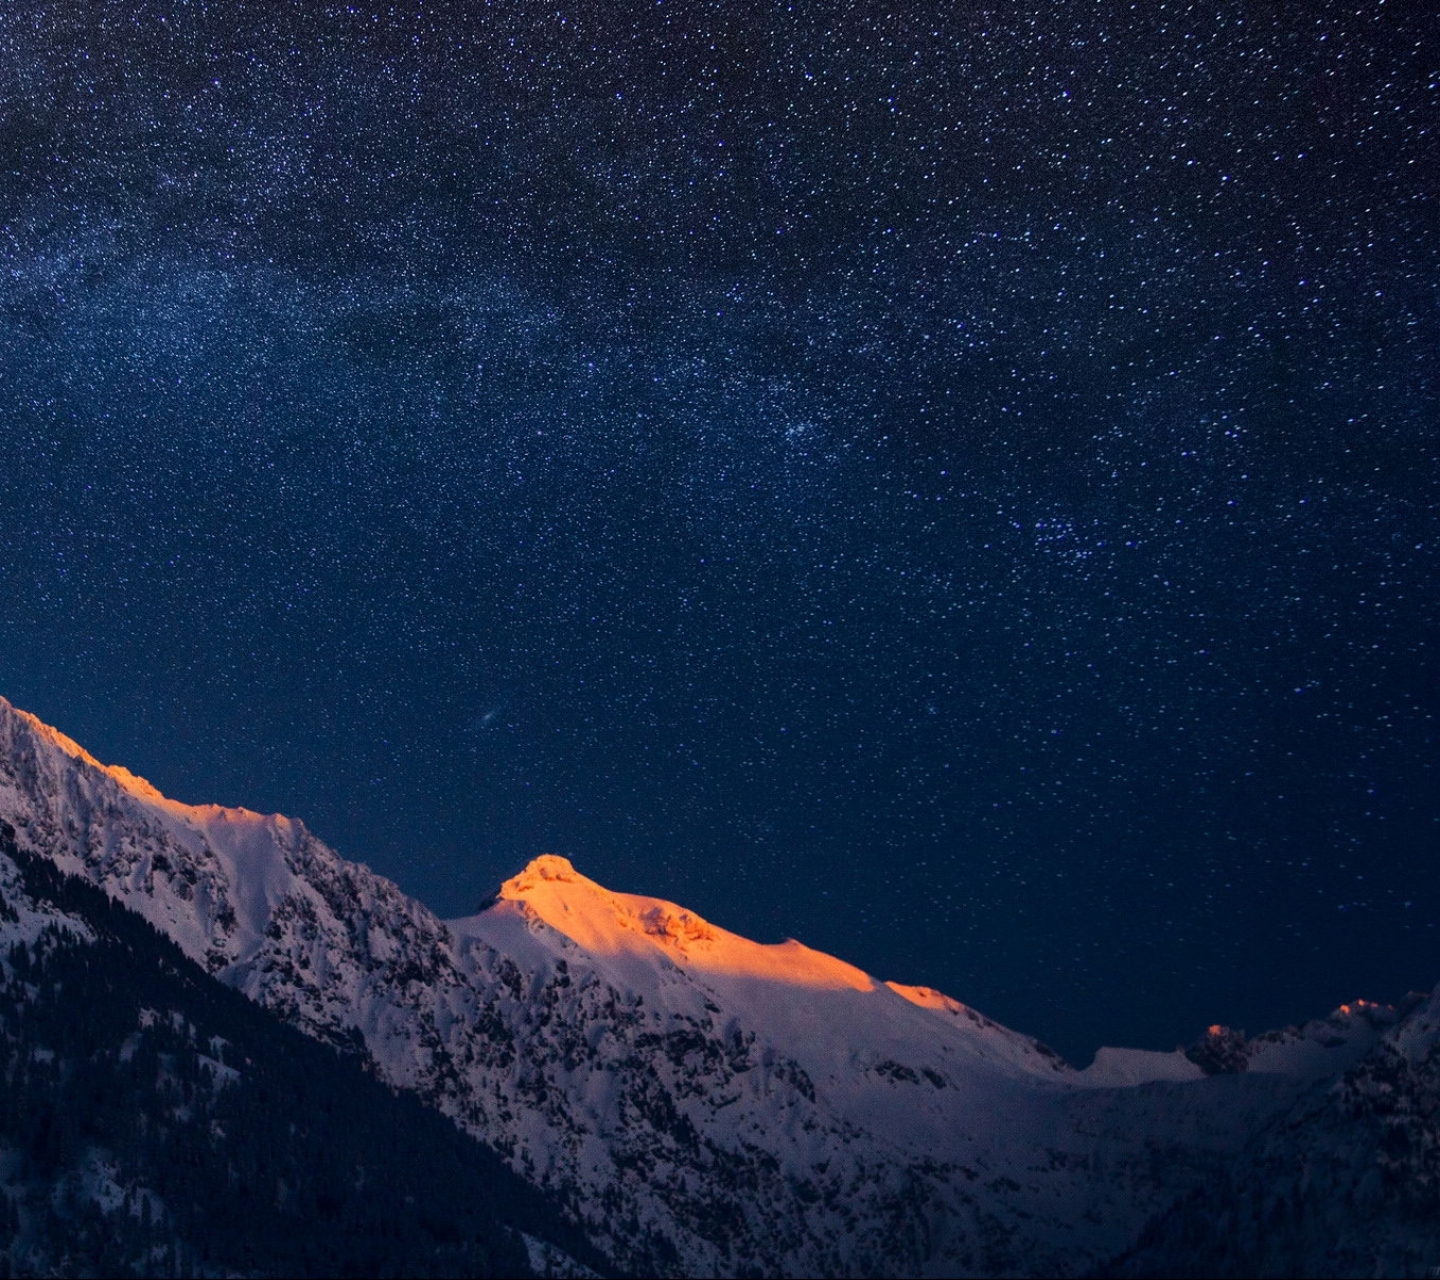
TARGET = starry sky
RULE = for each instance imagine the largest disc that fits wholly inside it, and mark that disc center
(954, 485)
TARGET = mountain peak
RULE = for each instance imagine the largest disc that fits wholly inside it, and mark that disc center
(132, 784)
(631, 925)
(755, 1088)
(52, 736)
(548, 866)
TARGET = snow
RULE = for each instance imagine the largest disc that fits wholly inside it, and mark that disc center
(816, 1008)
(663, 1072)
(1114, 1068)
(630, 928)
(1324, 1047)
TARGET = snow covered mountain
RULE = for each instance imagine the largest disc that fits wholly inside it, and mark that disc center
(155, 1122)
(701, 1104)
(1345, 1183)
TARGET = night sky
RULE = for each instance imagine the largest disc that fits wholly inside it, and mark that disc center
(954, 486)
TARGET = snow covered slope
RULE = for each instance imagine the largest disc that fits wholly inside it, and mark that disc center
(1345, 1183)
(703, 1103)
(153, 1121)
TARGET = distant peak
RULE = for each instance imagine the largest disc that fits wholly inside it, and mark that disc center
(548, 866)
(551, 866)
(543, 877)
(604, 923)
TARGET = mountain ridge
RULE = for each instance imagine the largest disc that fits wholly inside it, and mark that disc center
(175, 1127)
(700, 1103)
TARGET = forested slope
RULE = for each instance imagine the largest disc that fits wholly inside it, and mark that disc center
(153, 1121)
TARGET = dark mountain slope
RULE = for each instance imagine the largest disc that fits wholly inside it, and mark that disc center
(1346, 1183)
(153, 1121)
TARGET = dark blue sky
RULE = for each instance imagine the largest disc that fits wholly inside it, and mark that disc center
(958, 488)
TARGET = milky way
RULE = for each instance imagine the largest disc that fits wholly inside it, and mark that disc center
(955, 487)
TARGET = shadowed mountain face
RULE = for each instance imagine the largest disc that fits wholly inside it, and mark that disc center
(1347, 1183)
(703, 1104)
(154, 1122)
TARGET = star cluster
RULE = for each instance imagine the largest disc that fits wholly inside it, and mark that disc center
(957, 486)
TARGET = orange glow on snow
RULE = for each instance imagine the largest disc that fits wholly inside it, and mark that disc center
(927, 998)
(618, 924)
(133, 784)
